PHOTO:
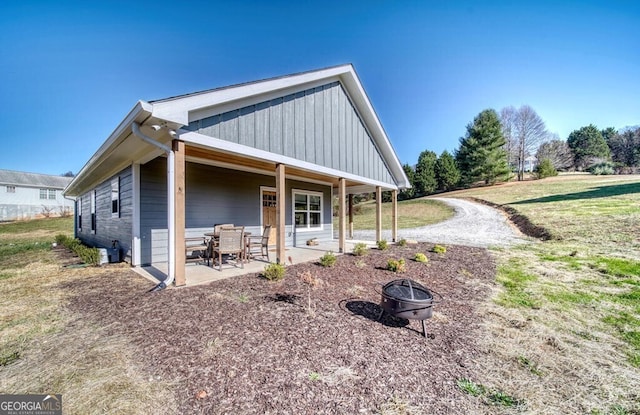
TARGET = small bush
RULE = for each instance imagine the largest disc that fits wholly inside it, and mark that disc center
(605, 168)
(88, 255)
(61, 239)
(420, 257)
(382, 244)
(274, 272)
(328, 259)
(402, 242)
(360, 249)
(439, 249)
(398, 265)
(545, 169)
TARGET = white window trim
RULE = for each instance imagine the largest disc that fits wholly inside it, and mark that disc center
(45, 193)
(293, 210)
(115, 181)
(80, 214)
(94, 215)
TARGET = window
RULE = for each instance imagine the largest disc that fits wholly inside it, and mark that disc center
(307, 210)
(43, 193)
(11, 189)
(115, 198)
(52, 194)
(93, 211)
(80, 213)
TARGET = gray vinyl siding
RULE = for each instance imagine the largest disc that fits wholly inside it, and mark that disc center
(214, 195)
(109, 228)
(318, 125)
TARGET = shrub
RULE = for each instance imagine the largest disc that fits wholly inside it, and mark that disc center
(604, 168)
(88, 255)
(402, 242)
(439, 249)
(328, 259)
(274, 272)
(545, 169)
(396, 265)
(61, 239)
(360, 249)
(420, 257)
(382, 244)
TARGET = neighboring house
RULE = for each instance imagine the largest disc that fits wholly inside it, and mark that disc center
(31, 195)
(273, 152)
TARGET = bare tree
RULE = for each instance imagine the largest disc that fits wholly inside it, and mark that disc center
(557, 151)
(529, 133)
(508, 117)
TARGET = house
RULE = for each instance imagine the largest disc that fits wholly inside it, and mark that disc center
(31, 195)
(270, 152)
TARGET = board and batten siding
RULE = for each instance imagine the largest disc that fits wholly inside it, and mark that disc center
(318, 125)
(214, 195)
(109, 228)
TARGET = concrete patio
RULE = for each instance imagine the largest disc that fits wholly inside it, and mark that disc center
(200, 273)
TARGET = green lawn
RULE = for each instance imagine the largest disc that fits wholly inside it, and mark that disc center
(574, 301)
(411, 214)
(22, 239)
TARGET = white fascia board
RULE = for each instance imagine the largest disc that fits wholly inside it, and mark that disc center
(205, 141)
(177, 110)
(361, 100)
(120, 133)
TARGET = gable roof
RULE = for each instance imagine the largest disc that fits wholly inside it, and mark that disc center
(19, 178)
(174, 113)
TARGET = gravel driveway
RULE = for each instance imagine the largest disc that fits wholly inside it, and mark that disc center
(473, 225)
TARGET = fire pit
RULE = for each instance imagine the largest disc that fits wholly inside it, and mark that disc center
(408, 299)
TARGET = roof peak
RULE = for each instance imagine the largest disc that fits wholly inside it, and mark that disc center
(206, 91)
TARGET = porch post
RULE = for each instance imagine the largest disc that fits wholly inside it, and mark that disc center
(394, 216)
(341, 214)
(350, 216)
(378, 213)
(280, 213)
(179, 203)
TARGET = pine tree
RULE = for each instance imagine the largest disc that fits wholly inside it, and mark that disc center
(589, 146)
(447, 174)
(481, 155)
(408, 193)
(425, 177)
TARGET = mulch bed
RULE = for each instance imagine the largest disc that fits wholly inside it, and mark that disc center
(246, 345)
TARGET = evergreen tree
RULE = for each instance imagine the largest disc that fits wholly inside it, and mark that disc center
(481, 155)
(447, 174)
(588, 146)
(545, 169)
(425, 177)
(411, 175)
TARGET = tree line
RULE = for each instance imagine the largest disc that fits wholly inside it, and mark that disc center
(501, 146)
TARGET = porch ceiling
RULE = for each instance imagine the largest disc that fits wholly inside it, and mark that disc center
(240, 162)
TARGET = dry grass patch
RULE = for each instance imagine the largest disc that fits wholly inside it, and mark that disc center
(48, 349)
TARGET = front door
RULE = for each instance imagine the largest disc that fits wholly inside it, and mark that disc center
(269, 213)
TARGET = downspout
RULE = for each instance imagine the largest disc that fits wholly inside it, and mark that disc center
(135, 128)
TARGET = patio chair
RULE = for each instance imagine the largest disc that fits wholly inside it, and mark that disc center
(259, 245)
(230, 242)
(196, 249)
(214, 236)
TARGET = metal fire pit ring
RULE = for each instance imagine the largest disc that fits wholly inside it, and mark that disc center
(406, 298)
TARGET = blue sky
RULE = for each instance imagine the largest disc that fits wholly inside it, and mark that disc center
(70, 71)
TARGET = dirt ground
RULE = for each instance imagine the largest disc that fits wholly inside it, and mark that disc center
(246, 345)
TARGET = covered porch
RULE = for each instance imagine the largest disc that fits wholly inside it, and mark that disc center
(191, 149)
(200, 273)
